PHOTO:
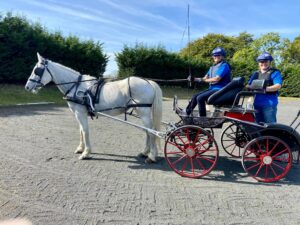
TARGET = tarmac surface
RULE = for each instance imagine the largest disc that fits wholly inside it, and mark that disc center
(42, 179)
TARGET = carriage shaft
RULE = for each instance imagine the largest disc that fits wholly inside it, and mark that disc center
(154, 132)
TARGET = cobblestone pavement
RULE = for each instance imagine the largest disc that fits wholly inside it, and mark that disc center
(42, 179)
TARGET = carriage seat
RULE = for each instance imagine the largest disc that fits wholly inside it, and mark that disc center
(226, 95)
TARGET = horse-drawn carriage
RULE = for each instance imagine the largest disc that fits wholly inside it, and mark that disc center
(267, 150)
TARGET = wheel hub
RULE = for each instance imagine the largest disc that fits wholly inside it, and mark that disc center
(190, 151)
(241, 141)
(267, 160)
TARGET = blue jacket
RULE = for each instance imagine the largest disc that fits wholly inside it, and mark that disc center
(267, 99)
(222, 70)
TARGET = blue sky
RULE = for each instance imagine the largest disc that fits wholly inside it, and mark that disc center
(158, 22)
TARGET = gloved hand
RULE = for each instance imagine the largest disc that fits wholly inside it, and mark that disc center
(189, 78)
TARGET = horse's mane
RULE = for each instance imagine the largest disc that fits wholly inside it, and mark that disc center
(71, 70)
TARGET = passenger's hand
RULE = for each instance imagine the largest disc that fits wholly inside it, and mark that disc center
(199, 79)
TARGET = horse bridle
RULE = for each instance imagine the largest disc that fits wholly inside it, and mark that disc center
(40, 72)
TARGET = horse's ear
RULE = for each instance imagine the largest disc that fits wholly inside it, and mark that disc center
(40, 58)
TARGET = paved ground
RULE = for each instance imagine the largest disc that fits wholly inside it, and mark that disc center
(41, 178)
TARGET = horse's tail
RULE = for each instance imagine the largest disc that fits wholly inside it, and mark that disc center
(157, 109)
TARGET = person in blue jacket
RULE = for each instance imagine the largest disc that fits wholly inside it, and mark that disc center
(266, 103)
(218, 76)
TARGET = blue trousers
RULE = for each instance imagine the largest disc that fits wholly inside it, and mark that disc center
(266, 114)
(199, 99)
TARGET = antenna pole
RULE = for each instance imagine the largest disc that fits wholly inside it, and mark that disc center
(189, 40)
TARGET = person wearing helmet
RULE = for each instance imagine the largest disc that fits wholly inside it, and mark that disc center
(217, 76)
(266, 103)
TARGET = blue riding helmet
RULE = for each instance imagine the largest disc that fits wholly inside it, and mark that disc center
(218, 51)
(265, 56)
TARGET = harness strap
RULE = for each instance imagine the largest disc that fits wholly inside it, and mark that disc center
(76, 84)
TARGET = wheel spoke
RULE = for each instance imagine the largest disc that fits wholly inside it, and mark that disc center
(273, 171)
(201, 152)
(231, 137)
(274, 147)
(172, 153)
(266, 171)
(285, 150)
(258, 145)
(178, 160)
(200, 164)
(183, 142)
(205, 142)
(250, 159)
(255, 165)
(251, 151)
(188, 135)
(278, 166)
(196, 138)
(192, 164)
(261, 165)
(229, 145)
(285, 160)
(184, 165)
(177, 146)
(233, 149)
(267, 145)
(207, 159)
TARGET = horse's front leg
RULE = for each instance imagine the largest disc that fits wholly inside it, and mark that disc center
(84, 134)
(80, 147)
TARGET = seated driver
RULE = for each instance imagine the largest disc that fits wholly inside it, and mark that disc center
(218, 76)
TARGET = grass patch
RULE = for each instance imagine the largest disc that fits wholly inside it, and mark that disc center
(16, 94)
(182, 93)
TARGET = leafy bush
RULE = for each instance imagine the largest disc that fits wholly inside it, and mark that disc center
(156, 63)
(20, 41)
(291, 81)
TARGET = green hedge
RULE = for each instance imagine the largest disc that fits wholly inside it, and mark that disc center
(291, 80)
(156, 63)
(21, 40)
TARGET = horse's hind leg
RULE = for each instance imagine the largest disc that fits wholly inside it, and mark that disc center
(84, 130)
(144, 154)
(151, 148)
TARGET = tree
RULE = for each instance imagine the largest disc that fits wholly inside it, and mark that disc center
(20, 40)
(244, 59)
(291, 51)
(202, 47)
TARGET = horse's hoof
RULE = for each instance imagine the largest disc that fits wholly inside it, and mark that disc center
(141, 155)
(78, 151)
(83, 157)
(149, 161)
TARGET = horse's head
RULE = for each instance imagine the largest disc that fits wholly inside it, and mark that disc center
(40, 75)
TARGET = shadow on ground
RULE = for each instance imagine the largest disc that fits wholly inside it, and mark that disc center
(227, 169)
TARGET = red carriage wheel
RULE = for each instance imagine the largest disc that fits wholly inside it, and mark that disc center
(233, 140)
(191, 151)
(267, 158)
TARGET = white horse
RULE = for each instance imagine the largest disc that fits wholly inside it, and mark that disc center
(115, 95)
